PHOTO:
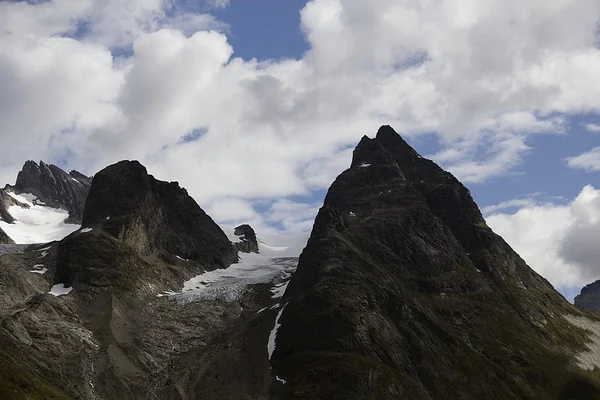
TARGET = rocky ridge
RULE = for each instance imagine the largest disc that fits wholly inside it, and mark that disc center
(401, 292)
(117, 333)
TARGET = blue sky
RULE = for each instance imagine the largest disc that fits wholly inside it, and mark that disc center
(255, 105)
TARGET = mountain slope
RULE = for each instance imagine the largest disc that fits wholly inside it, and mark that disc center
(404, 292)
(97, 312)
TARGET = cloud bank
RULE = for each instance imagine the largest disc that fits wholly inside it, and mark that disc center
(89, 82)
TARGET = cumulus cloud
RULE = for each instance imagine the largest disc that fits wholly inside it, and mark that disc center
(557, 240)
(89, 82)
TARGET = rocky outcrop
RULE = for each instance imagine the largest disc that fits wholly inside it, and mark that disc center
(589, 297)
(246, 234)
(4, 238)
(54, 187)
(403, 291)
(5, 202)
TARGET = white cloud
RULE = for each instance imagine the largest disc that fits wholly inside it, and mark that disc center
(589, 161)
(556, 240)
(593, 127)
(484, 75)
(528, 202)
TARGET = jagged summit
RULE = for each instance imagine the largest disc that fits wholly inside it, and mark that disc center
(45, 204)
(54, 187)
(403, 291)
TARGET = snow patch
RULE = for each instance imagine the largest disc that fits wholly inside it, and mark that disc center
(44, 254)
(364, 165)
(36, 224)
(59, 290)
(39, 271)
(352, 214)
(273, 334)
(86, 230)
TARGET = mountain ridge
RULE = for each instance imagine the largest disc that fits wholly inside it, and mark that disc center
(402, 291)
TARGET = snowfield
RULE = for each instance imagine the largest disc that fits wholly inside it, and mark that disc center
(276, 262)
(36, 224)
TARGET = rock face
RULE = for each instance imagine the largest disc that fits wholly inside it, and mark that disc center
(249, 243)
(403, 291)
(131, 216)
(153, 216)
(5, 202)
(589, 298)
(54, 187)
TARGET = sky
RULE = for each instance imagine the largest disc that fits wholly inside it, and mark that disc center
(255, 106)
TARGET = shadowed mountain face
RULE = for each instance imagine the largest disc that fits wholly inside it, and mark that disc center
(589, 298)
(404, 292)
(130, 215)
(54, 187)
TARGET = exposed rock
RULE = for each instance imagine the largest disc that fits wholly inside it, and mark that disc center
(5, 202)
(4, 238)
(54, 187)
(403, 291)
(154, 216)
(248, 243)
(589, 297)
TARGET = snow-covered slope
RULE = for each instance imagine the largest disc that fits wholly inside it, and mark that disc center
(275, 264)
(35, 222)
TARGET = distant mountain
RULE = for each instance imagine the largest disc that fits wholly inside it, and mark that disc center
(46, 203)
(589, 297)
(54, 187)
(402, 292)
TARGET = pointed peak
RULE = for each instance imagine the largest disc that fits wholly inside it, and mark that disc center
(394, 143)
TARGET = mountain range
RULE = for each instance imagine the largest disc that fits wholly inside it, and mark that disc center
(119, 286)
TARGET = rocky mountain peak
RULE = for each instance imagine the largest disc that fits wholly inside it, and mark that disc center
(404, 291)
(153, 216)
(54, 187)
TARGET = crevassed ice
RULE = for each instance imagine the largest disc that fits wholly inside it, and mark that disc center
(275, 264)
